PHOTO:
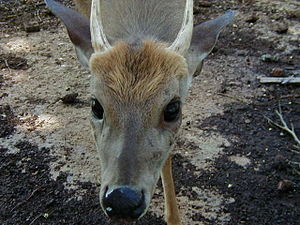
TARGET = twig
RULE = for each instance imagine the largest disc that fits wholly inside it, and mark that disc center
(27, 199)
(40, 215)
(290, 96)
(281, 80)
(54, 102)
(234, 97)
(296, 171)
(6, 64)
(38, 15)
(295, 163)
(297, 152)
(36, 218)
(284, 126)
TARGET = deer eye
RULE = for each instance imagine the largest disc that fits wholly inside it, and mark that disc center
(97, 109)
(172, 111)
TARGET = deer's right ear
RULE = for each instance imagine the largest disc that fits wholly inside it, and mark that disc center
(78, 27)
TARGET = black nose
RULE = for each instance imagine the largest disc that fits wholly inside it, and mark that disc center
(124, 203)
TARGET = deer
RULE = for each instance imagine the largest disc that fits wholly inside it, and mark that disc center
(142, 55)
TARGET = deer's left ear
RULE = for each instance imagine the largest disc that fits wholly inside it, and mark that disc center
(78, 27)
(204, 38)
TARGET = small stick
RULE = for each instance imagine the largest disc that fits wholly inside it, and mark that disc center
(233, 97)
(290, 96)
(296, 171)
(281, 80)
(29, 197)
(40, 215)
(295, 163)
(38, 15)
(297, 152)
(284, 126)
(6, 64)
(36, 218)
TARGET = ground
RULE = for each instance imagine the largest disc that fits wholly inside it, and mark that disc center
(231, 165)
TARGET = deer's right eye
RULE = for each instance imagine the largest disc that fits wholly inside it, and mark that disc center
(97, 109)
(172, 111)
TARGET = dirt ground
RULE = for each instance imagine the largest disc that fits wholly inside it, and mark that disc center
(231, 165)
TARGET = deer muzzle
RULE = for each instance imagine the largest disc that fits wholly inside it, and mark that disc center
(124, 204)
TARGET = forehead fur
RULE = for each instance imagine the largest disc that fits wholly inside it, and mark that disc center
(134, 74)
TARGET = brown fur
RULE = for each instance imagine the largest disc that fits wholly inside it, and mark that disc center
(133, 74)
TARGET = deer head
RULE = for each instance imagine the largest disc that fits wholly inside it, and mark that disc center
(142, 55)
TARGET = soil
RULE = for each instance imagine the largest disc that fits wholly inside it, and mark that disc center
(231, 164)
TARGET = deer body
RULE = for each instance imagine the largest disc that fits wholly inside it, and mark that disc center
(142, 54)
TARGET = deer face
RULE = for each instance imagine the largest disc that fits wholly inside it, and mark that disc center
(141, 74)
(136, 112)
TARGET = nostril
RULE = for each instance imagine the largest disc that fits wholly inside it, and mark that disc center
(124, 203)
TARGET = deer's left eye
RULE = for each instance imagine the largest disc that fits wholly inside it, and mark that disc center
(172, 111)
(97, 109)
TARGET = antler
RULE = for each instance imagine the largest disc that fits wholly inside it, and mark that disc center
(183, 39)
(99, 40)
(180, 45)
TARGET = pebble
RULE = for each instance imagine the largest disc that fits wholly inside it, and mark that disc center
(205, 4)
(285, 185)
(280, 162)
(242, 52)
(30, 28)
(196, 10)
(277, 72)
(252, 18)
(290, 67)
(247, 121)
(294, 13)
(69, 98)
(231, 200)
(46, 54)
(281, 28)
(269, 58)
